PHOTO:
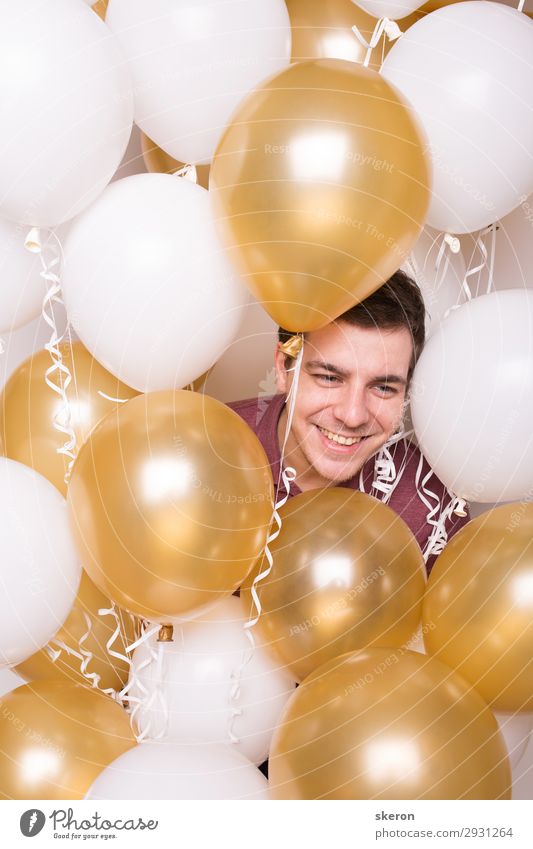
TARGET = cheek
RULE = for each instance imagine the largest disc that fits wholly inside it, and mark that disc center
(389, 413)
(310, 401)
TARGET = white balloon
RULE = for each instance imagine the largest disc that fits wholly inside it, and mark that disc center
(516, 730)
(178, 771)
(393, 9)
(255, 346)
(466, 70)
(195, 676)
(439, 274)
(67, 109)
(471, 398)
(39, 571)
(192, 61)
(146, 284)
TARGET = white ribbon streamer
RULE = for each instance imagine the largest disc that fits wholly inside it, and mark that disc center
(480, 246)
(384, 25)
(235, 688)
(287, 476)
(49, 268)
(439, 536)
(134, 680)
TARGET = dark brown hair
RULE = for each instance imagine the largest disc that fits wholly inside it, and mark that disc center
(398, 303)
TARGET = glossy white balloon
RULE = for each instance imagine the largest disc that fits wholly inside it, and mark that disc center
(466, 70)
(393, 9)
(192, 61)
(214, 686)
(471, 398)
(147, 286)
(439, 273)
(172, 771)
(67, 109)
(39, 570)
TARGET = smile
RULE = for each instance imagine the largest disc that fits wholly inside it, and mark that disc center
(341, 440)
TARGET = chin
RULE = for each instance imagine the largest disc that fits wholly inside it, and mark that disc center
(340, 475)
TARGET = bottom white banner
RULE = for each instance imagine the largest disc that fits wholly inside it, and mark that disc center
(359, 824)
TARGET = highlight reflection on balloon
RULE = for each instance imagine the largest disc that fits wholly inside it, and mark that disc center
(56, 738)
(28, 407)
(478, 607)
(386, 724)
(320, 186)
(170, 501)
(324, 31)
(347, 573)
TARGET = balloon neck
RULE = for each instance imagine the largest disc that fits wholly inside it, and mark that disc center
(460, 507)
(32, 242)
(453, 243)
(391, 29)
(166, 634)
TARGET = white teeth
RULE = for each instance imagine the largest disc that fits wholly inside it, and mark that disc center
(342, 440)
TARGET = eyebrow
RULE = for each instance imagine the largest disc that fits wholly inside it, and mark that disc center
(387, 378)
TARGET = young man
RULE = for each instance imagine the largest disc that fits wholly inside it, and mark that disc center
(347, 427)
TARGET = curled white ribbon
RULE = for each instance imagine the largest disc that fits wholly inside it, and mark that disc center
(146, 698)
(49, 269)
(287, 476)
(437, 516)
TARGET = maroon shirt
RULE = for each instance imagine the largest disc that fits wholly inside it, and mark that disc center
(407, 499)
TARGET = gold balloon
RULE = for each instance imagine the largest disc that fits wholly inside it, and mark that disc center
(100, 7)
(112, 671)
(56, 738)
(320, 186)
(384, 724)
(197, 384)
(478, 608)
(170, 501)
(347, 573)
(324, 31)
(28, 406)
(160, 162)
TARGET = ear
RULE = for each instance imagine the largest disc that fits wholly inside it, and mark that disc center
(282, 375)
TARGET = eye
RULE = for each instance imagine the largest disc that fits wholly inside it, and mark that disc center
(327, 378)
(386, 389)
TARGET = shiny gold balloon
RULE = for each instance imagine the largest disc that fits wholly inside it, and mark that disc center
(112, 671)
(56, 738)
(320, 186)
(28, 406)
(386, 724)
(324, 31)
(160, 162)
(100, 7)
(170, 501)
(478, 607)
(348, 573)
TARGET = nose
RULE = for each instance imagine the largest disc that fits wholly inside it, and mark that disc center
(351, 407)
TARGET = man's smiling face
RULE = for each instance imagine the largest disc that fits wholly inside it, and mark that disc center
(350, 399)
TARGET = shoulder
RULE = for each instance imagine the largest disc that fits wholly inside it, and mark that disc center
(260, 412)
(243, 407)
